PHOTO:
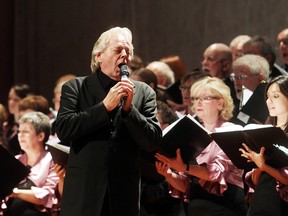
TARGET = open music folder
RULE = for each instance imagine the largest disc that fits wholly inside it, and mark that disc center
(192, 138)
(12, 172)
(187, 134)
(255, 136)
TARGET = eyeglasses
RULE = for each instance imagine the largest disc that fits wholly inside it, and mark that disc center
(283, 42)
(234, 77)
(183, 88)
(204, 99)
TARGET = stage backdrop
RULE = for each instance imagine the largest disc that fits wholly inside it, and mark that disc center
(41, 40)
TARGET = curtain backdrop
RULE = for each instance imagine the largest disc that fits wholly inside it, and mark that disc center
(41, 40)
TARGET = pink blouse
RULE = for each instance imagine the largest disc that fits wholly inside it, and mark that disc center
(44, 177)
(280, 187)
(220, 168)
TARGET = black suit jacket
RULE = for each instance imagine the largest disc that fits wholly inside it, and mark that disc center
(105, 149)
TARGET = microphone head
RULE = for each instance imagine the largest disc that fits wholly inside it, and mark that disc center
(124, 70)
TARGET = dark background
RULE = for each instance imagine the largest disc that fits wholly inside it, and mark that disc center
(41, 40)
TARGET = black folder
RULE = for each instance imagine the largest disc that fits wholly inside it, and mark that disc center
(272, 138)
(188, 135)
(13, 171)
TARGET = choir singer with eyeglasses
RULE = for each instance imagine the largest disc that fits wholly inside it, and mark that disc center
(211, 185)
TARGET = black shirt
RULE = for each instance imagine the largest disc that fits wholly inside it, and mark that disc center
(106, 82)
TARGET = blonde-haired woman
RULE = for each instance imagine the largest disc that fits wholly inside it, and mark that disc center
(211, 185)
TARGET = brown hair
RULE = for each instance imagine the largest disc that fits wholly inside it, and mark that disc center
(34, 102)
(177, 65)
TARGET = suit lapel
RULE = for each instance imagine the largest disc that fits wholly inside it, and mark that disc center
(95, 87)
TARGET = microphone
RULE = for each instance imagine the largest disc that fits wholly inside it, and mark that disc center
(124, 71)
(124, 74)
